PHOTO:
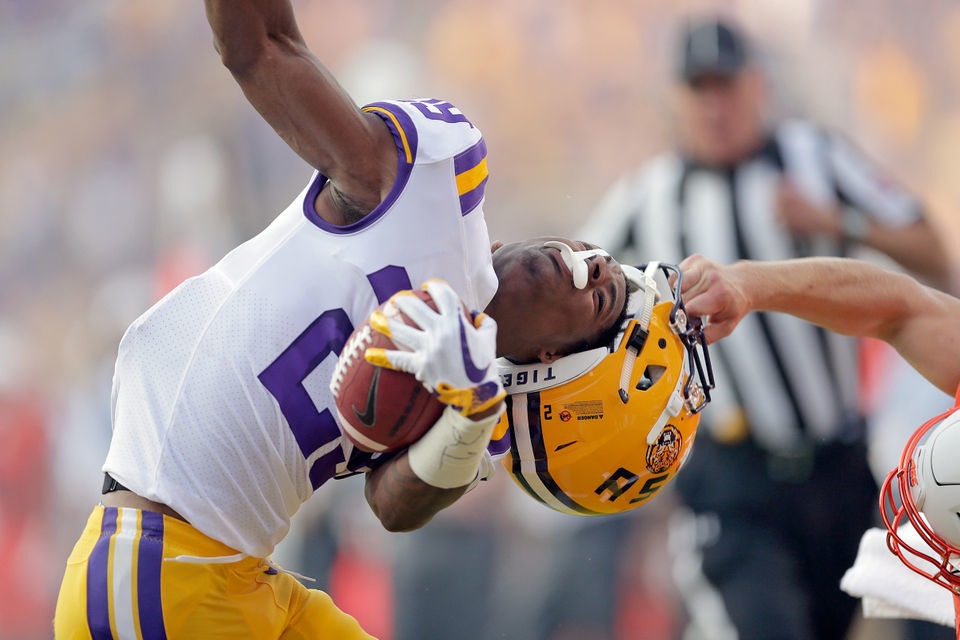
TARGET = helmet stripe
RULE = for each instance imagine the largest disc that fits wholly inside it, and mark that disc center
(528, 442)
(523, 468)
(515, 470)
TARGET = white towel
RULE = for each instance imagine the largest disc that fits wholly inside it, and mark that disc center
(889, 588)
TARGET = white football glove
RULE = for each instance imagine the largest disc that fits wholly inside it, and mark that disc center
(451, 353)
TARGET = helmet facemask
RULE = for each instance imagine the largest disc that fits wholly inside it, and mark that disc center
(924, 491)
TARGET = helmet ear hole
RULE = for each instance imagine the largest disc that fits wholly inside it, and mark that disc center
(650, 376)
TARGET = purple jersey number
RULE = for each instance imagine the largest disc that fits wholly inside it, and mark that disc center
(439, 110)
(284, 377)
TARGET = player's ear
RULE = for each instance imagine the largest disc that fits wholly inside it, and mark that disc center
(496, 244)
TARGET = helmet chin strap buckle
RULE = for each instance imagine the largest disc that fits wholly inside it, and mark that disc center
(635, 342)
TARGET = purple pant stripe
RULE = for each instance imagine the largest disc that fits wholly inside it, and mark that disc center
(472, 198)
(466, 160)
(149, 562)
(98, 597)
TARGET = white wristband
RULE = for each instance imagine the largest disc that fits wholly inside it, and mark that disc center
(484, 472)
(449, 454)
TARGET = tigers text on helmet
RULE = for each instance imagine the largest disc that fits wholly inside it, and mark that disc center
(925, 490)
(603, 430)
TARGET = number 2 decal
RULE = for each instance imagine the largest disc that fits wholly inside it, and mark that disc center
(284, 377)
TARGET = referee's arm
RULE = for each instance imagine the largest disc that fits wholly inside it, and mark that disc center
(915, 246)
(879, 214)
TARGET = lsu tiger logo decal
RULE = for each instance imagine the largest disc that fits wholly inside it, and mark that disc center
(664, 452)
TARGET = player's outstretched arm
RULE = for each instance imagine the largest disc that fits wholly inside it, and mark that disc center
(261, 45)
(843, 295)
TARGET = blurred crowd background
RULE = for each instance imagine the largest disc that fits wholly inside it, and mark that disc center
(129, 160)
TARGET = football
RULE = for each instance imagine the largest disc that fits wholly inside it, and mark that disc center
(381, 409)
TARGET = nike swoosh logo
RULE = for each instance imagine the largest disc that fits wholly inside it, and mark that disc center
(369, 415)
(474, 373)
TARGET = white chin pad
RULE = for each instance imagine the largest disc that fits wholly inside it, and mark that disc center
(639, 283)
(576, 261)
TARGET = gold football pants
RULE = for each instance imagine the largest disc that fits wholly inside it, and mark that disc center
(141, 575)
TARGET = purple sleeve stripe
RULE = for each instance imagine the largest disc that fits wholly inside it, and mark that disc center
(149, 562)
(472, 198)
(98, 595)
(466, 160)
(470, 167)
(405, 137)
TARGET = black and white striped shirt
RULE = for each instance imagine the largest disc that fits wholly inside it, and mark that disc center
(787, 377)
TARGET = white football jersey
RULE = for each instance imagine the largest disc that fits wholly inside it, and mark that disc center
(221, 408)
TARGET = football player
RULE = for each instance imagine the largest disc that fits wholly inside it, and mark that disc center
(223, 423)
(923, 325)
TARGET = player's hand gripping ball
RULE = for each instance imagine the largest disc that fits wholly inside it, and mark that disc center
(418, 353)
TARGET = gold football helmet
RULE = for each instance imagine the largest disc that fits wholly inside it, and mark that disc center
(602, 431)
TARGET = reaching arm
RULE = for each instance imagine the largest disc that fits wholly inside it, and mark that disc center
(916, 246)
(845, 296)
(261, 45)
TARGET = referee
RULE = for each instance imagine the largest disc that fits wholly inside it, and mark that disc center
(778, 488)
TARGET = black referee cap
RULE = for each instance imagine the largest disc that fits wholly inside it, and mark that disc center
(712, 46)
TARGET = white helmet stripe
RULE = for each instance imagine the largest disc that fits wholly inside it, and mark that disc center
(527, 449)
(524, 468)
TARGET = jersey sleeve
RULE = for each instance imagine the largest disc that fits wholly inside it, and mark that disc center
(437, 131)
(860, 184)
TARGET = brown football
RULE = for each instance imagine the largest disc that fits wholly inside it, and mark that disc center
(381, 409)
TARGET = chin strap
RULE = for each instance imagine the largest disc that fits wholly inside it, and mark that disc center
(640, 303)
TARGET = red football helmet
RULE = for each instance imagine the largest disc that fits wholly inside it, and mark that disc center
(925, 488)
